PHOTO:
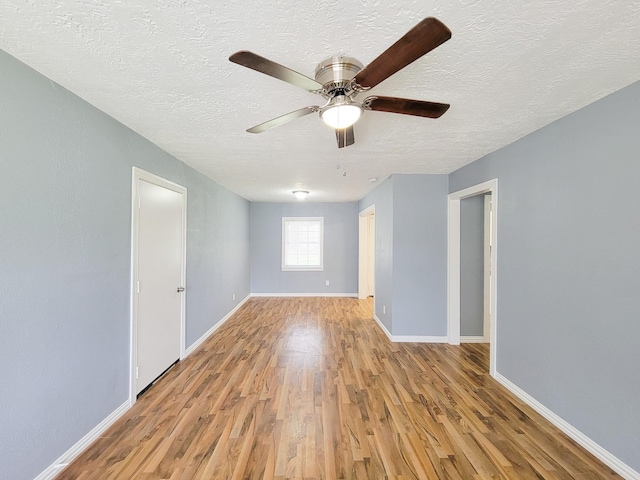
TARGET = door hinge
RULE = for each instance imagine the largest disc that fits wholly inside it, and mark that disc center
(139, 201)
(138, 286)
(137, 372)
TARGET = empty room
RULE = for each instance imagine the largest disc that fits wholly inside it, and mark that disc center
(318, 240)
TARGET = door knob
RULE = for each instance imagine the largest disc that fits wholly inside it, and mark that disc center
(180, 289)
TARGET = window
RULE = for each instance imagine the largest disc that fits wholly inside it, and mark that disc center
(302, 243)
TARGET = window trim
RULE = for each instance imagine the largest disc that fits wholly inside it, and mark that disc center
(302, 268)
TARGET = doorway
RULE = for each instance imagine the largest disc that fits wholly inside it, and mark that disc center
(454, 267)
(367, 253)
(475, 268)
(158, 278)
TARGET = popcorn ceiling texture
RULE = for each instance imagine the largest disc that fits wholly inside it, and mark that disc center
(161, 68)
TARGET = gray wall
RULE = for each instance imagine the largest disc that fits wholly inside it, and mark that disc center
(420, 255)
(382, 198)
(218, 252)
(65, 233)
(569, 267)
(340, 249)
(411, 253)
(472, 266)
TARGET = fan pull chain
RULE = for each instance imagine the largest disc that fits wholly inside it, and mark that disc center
(344, 157)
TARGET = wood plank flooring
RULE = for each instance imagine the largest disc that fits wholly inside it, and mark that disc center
(310, 388)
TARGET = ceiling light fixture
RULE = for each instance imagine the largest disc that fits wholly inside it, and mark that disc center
(300, 194)
(340, 112)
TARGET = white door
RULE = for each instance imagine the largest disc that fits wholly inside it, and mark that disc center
(160, 257)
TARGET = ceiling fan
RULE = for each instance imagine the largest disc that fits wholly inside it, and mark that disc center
(340, 79)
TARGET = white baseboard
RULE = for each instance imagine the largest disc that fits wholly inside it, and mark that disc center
(409, 338)
(349, 295)
(599, 452)
(384, 329)
(473, 339)
(67, 457)
(90, 437)
(419, 339)
(210, 332)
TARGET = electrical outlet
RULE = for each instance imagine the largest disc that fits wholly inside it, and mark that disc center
(233, 297)
(327, 283)
(384, 309)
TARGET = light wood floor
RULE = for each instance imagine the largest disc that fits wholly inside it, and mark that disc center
(310, 388)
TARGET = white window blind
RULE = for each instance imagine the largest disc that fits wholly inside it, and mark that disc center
(302, 243)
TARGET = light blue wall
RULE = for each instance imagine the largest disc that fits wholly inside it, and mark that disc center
(472, 266)
(340, 249)
(382, 198)
(411, 253)
(218, 253)
(420, 255)
(65, 234)
(568, 314)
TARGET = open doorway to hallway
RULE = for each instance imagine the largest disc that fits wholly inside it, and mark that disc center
(367, 253)
(457, 271)
(475, 268)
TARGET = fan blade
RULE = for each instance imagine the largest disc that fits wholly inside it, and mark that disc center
(405, 106)
(421, 39)
(273, 69)
(283, 119)
(345, 137)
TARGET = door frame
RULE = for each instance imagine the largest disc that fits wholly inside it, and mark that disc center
(453, 265)
(486, 311)
(137, 175)
(363, 247)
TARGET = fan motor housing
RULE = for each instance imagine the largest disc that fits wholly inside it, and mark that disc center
(336, 72)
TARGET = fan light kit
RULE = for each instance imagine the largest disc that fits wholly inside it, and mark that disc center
(340, 79)
(300, 194)
(340, 112)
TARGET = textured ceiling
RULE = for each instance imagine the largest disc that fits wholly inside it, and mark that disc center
(161, 67)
